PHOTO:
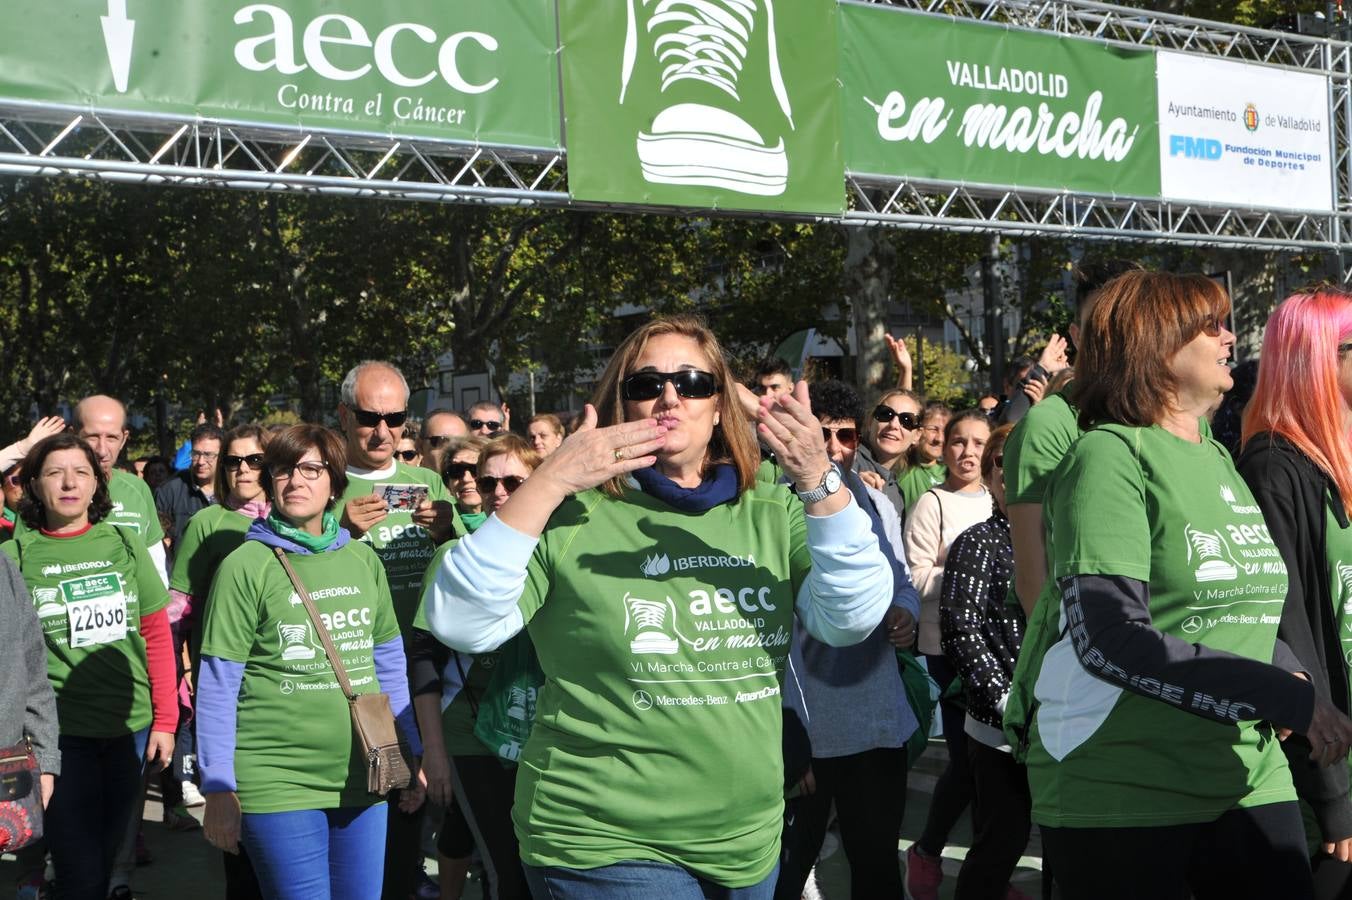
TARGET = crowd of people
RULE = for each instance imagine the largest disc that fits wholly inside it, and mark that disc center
(663, 649)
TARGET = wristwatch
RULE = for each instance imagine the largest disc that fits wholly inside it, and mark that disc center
(829, 485)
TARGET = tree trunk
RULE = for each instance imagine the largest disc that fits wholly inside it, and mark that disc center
(869, 261)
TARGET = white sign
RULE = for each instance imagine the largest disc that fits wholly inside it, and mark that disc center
(1242, 135)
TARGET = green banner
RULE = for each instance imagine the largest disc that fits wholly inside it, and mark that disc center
(927, 97)
(705, 103)
(464, 70)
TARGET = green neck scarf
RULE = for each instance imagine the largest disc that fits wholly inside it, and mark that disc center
(315, 543)
(473, 520)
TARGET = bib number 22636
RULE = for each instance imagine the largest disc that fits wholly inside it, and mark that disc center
(96, 610)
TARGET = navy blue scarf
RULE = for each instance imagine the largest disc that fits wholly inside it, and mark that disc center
(718, 487)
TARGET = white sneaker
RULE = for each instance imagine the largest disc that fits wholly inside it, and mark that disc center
(191, 795)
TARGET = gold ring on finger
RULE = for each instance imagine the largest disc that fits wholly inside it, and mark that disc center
(619, 454)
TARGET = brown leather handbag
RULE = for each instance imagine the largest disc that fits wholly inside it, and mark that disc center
(387, 758)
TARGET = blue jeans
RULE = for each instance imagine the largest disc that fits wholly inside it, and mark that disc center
(318, 854)
(88, 814)
(638, 880)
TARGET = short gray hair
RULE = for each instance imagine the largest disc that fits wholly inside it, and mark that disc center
(347, 394)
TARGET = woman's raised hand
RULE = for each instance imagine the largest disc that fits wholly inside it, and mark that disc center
(587, 458)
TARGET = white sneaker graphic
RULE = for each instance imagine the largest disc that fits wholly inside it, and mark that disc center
(520, 703)
(649, 618)
(295, 641)
(696, 144)
(1207, 547)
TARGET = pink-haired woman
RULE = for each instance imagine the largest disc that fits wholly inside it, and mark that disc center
(1297, 458)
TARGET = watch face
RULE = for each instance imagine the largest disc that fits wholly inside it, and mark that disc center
(833, 480)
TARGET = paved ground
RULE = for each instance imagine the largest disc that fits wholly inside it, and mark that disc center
(186, 866)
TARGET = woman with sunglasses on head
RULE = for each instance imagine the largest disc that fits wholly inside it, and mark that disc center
(1166, 691)
(458, 765)
(659, 580)
(924, 461)
(981, 633)
(1297, 460)
(280, 765)
(892, 431)
(933, 522)
(110, 657)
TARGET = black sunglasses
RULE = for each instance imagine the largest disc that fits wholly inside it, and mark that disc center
(476, 424)
(254, 461)
(847, 436)
(692, 384)
(456, 471)
(406, 455)
(885, 414)
(1212, 325)
(489, 483)
(436, 441)
(367, 419)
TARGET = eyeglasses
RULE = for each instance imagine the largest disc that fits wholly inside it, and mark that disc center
(1212, 326)
(310, 471)
(367, 419)
(848, 437)
(456, 471)
(489, 483)
(13, 480)
(204, 454)
(886, 414)
(253, 460)
(406, 455)
(692, 384)
(476, 424)
(436, 441)
(999, 460)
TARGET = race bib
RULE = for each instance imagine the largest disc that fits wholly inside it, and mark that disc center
(96, 610)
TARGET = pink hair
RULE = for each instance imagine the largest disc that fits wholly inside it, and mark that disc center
(1297, 394)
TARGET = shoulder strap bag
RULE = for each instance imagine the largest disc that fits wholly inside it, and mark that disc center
(386, 757)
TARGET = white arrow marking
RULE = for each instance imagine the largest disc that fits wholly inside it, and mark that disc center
(118, 32)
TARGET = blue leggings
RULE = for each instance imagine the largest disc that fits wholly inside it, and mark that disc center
(318, 854)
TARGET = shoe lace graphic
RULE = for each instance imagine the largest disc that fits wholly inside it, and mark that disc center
(647, 614)
(1204, 543)
(1345, 574)
(293, 634)
(518, 697)
(708, 44)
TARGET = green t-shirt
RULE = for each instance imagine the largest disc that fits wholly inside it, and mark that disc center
(91, 591)
(294, 745)
(134, 507)
(917, 479)
(663, 638)
(1036, 446)
(213, 533)
(457, 719)
(1141, 503)
(403, 548)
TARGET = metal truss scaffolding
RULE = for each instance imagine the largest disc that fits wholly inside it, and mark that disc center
(147, 149)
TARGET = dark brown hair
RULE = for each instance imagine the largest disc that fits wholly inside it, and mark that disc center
(30, 507)
(287, 447)
(1136, 324)
(239, 433)
(733, 439)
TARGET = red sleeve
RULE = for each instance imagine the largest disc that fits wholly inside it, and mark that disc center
(163, 672)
